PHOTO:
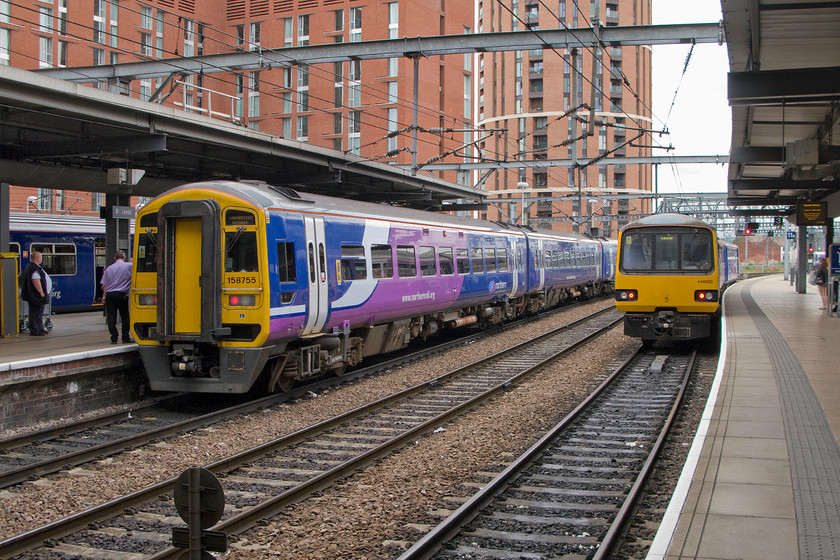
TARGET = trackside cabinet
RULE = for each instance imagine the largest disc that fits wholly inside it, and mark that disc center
(8, 294)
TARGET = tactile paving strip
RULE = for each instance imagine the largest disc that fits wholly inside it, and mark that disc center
(814, 453)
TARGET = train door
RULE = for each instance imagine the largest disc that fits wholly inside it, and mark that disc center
(186, 277)
(316, 264)
(539, 257)
(99, 261)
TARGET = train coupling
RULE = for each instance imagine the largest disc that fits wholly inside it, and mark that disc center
(663, 322)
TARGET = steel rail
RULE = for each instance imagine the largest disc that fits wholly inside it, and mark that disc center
(26, 541)
(430, 543)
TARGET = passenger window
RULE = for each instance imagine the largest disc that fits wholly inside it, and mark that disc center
(503, 261)
(146, 253)
(59, 259)
(490, 259)
(241, 253)
(477, 259)
(547, 259)
(445, 257)
(382, 261)
(427, 261)
(353, 266)
(286, 262)
(462, 256)
(406, 261)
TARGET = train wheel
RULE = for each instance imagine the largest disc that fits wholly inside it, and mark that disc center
(284, 384)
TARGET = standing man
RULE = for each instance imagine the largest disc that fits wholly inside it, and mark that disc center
(116, 283)
(35, 291)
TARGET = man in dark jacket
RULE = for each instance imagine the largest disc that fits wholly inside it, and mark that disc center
(34, 291)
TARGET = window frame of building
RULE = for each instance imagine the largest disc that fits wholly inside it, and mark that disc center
(355, 25)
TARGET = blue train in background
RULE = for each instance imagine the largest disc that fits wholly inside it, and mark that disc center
(236, 282)
(73, 249)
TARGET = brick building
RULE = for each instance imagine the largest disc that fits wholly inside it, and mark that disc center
(349, 106)
(529, 94)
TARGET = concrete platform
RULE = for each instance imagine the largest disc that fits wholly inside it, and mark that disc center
(763, 476)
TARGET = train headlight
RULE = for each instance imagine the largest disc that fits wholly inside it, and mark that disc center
(243, 300)
(706, 295)
(147, 299)
(626, 295)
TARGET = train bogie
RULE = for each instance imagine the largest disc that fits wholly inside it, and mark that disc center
(240, 281)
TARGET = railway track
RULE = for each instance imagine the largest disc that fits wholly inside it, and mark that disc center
(261, 481)
(29, 456)
(571, 492)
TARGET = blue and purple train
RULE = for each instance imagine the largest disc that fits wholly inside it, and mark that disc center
(73, 249)
(243, 284)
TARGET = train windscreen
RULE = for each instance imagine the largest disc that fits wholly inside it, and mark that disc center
(686, 250)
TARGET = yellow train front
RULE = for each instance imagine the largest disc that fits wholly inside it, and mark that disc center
(670, 276)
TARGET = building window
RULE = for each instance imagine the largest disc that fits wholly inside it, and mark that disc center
(355, 25)
(99, 21)
(45, 19)
(240, 95)
(339, 20)
(146, 17)
(146, 44)
(45, 58)
(392, 92)
(159, 34)
(287, 127)
(114, 29)
(287, 32)
(338, 76)
(62, 17)
(189, 38)
(254, 36)
(303, 88)
(303, 128)
(337, 123)
(468, 96)
(354, 129)
(5, 11)
(354, 84)
(303, 30)
(253, 94)
(146, 89)
(392, 127)
(5, 40)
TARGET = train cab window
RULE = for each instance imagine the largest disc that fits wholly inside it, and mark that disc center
(241, 252)
(663, 250)
(59, 259)
(477, 258)
(462, 258)
(353, 265)
(696, 252)
(504, 266)
(406, 261)
(286, 271)
(149, 220)
(490, 259)
(382, 261)
(146, 253)
(427, 261)
(446, 262)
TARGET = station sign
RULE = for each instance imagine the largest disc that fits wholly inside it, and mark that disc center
(811, 213)
(791, 235)
(119, 212)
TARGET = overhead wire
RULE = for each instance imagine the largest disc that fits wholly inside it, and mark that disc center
(176, 68)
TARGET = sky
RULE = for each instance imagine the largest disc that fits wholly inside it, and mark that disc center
(700, 120)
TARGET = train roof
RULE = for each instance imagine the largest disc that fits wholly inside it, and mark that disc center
(267, 196)
(668, 219)
(60, 223)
